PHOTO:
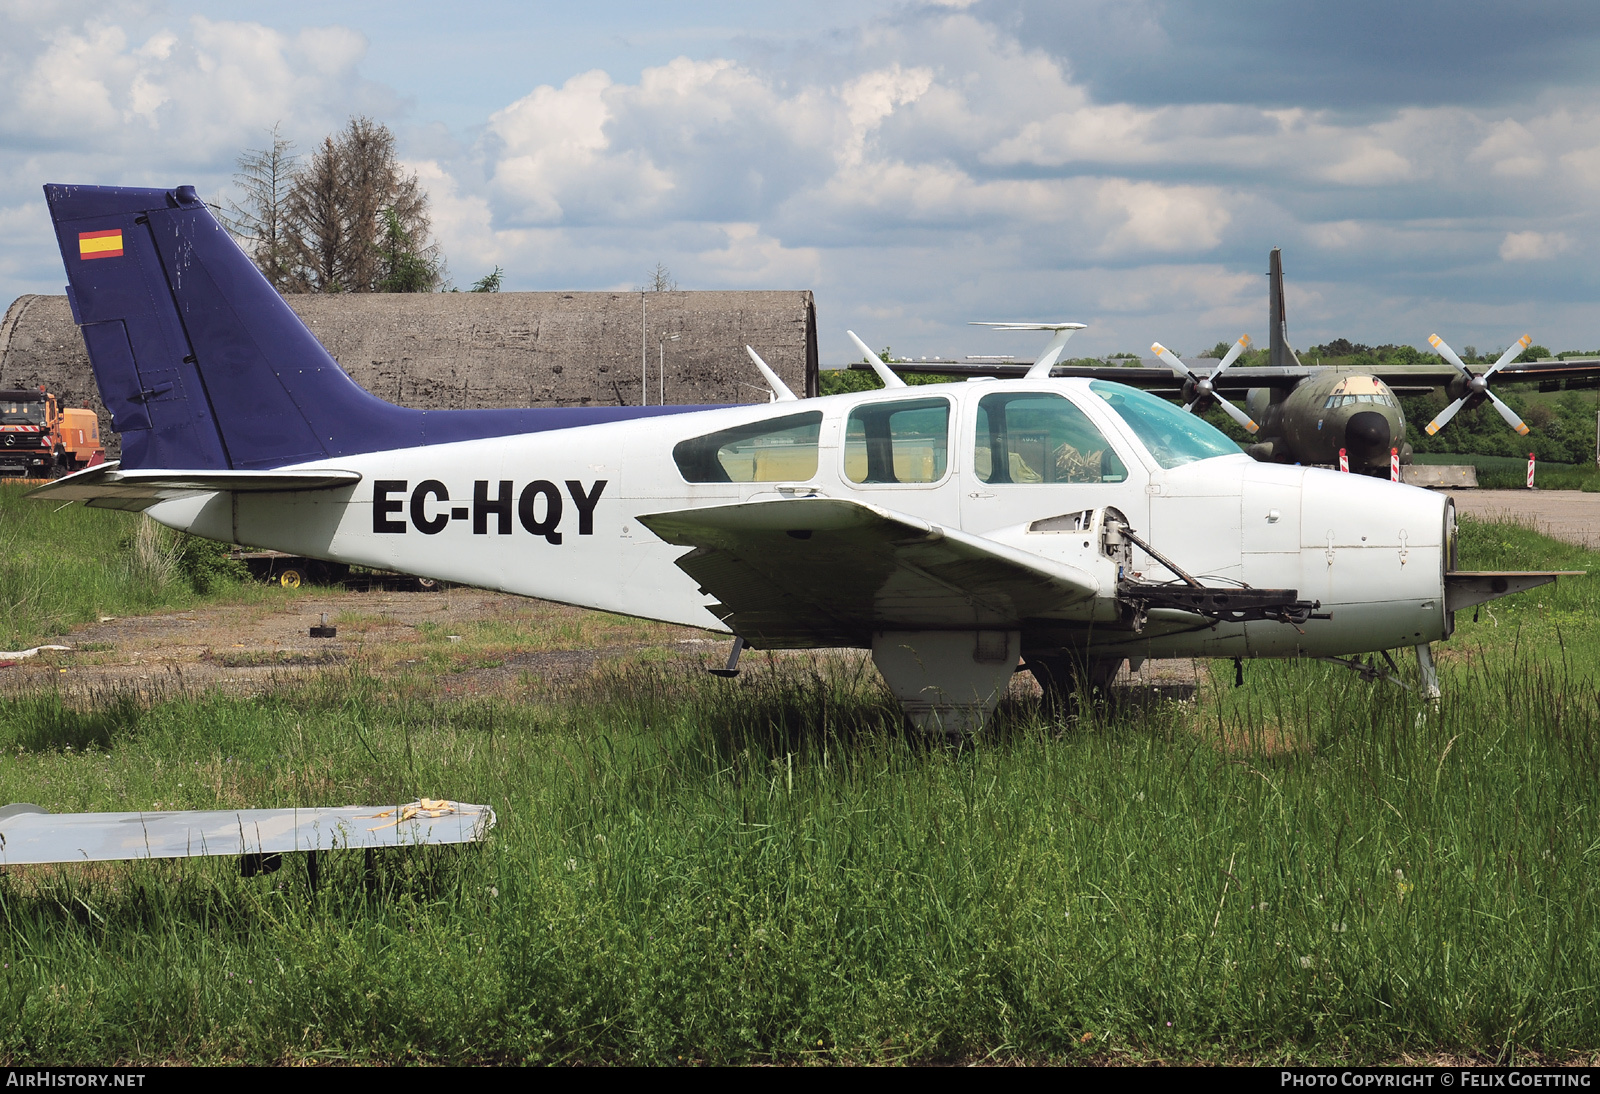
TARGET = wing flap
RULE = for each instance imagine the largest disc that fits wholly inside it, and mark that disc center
(829, 571)
(108, 487)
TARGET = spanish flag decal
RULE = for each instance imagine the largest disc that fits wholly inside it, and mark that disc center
(106, 244)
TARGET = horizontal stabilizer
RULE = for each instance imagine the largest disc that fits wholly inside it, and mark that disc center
(1463, 589)
(1030, 326)
(829, 571)
(29, 834)
(109, 487)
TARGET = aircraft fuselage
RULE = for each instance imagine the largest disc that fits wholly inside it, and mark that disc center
(1332, 410)
(556, 514)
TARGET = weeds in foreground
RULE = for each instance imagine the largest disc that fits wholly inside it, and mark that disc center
(1304, 868)
(1307, 868)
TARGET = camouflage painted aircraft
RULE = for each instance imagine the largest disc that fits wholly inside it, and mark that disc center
(1301, 414)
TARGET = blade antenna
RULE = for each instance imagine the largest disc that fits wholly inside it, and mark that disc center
(1040, 369)
(885, 373)
(780, 390)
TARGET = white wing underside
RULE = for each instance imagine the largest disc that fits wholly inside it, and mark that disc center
(809, 572)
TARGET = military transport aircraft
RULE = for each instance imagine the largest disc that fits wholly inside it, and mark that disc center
(1306, 414)
(950, 529)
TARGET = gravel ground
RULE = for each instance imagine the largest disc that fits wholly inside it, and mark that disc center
(1568, 515)
(247, 649)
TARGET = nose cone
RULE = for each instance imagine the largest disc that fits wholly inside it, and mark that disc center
(1367, 431)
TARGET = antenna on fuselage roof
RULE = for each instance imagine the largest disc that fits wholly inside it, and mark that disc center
(885, 373)
(780, 390)
(1052, 353)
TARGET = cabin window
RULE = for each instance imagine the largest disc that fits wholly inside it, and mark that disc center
(1173, 436)
(902, 442)
(775, 450)
(1027, 437)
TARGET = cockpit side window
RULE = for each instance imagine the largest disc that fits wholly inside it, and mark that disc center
(902, 442)
(775, 450)
(1360, 389)
(1028, 437)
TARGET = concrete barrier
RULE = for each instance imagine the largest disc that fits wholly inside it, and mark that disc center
(1441, 476)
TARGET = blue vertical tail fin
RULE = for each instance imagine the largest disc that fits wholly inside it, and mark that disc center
(205, 367)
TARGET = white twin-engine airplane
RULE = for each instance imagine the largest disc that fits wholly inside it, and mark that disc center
(951, 529)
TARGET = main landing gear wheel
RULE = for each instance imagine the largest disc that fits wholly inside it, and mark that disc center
(291, 577)
(1065, 680)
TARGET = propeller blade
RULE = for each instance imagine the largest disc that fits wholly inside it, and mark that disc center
(1449, 355)
(1233, 354)
(1507, 357)
(1246, 422)
(1172, 361)
(1508, 414)
(1446, 414)
(885, 373)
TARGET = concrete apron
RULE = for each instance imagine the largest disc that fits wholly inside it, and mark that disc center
(948, 682)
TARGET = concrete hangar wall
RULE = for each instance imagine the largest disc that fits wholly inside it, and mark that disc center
(472, 350)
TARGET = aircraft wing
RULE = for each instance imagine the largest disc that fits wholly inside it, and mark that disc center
(29, 834)
(106, 486)
(806, 572)
(1157, 378)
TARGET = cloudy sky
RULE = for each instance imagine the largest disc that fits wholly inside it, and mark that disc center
(1123, 163)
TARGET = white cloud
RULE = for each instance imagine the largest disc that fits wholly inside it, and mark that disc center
(1162, 218)
(1533, 246)
(195, 93)
(926, 167)
(753, 260)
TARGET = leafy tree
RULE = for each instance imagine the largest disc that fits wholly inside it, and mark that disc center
(266, 176)
(404, 269)
(489, 282)
(356, 222)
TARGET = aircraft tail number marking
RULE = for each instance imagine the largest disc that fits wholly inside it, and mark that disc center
(539, 507)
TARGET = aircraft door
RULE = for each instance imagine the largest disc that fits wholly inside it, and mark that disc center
(1037, 454)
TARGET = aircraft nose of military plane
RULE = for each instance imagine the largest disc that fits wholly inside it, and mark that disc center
(1367, 430)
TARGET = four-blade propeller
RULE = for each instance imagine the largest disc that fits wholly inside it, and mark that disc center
(1202, 390)
(1477, 387)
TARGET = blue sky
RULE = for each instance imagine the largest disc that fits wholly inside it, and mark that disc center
(1425, 166)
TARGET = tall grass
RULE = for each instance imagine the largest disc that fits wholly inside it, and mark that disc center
(1308, 867)
(64, 566)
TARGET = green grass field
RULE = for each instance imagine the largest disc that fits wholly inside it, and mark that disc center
(1511, 472)
(1307, 868)
(61, 566)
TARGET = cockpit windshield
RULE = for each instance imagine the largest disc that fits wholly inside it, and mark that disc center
(1173, 436)
(15, 411)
